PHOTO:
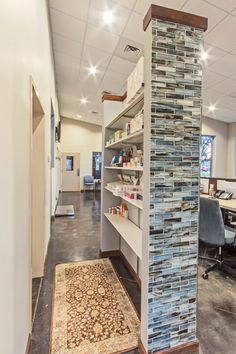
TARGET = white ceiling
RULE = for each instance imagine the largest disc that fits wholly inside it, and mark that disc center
(81, 39)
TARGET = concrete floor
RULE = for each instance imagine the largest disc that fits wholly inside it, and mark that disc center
(77, 238)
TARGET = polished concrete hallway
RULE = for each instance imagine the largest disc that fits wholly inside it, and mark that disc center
(77, 238)
(73, 239)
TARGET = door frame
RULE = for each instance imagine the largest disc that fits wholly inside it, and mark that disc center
(52, 166)
(34, 99)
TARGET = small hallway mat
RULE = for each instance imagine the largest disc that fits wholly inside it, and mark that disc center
(65, 210)
(92, 312)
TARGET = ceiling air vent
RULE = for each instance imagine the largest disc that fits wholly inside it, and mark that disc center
(131, 49)
(95, 112)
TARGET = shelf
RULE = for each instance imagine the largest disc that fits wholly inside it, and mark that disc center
(127, 113)
(135, 138)
(137, 203)
(125, 168)
(130, 232)
(110, 190)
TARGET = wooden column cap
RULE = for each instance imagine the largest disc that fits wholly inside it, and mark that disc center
(166, 14)
(110, 97)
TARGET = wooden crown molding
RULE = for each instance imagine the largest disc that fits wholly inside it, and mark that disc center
(186, 348)
(117, 98)
(165, 14)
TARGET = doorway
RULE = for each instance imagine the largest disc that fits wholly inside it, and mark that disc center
(38, 187)
(97, 165)
(71, 172)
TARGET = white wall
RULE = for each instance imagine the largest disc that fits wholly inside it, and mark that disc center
(84, 138)
(220, 131)
(25, 51)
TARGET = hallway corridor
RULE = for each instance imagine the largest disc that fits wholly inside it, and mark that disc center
(73, 239)
(77, 238)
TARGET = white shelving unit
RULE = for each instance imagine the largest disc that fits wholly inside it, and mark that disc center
(135, 202)
(118, 233)
(127, 113)
(138, 169)
(131, 233)
(135, 138)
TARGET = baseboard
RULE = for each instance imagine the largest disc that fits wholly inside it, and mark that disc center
(186, 348)
(90, 190)
(108, 254)
(27, 350)
(141, 348)
(118, 253)
(130, 269)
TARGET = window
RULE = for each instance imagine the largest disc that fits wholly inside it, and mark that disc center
(206, 155)
(97, 165)
(69, 163)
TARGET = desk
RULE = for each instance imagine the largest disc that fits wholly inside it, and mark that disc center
(225, 204)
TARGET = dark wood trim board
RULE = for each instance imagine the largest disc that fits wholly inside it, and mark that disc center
(27, 350)
(118, 253)
(186, 348)
(166, 14)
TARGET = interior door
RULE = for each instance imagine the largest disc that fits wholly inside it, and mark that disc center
(70, 172)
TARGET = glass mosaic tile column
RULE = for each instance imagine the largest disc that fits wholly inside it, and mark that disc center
(173, 89)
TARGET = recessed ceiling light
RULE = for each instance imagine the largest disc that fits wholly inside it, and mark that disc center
(92, 70)
(83, 100)
(212, 108)
(78, 116)
(203, 56)
(108, 17)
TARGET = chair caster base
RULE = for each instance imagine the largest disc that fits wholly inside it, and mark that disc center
(205, 276)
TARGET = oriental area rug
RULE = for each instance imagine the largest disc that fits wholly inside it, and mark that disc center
(92, 313)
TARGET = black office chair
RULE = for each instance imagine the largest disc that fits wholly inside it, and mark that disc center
(214, 233)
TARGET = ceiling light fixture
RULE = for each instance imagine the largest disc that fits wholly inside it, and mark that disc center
(203, 56)
(78, 116)
(83, 100)
(92, 70)
(212, 108)
(108, 17)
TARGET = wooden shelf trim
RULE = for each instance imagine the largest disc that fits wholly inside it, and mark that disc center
(117, 98)
(118, 253)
